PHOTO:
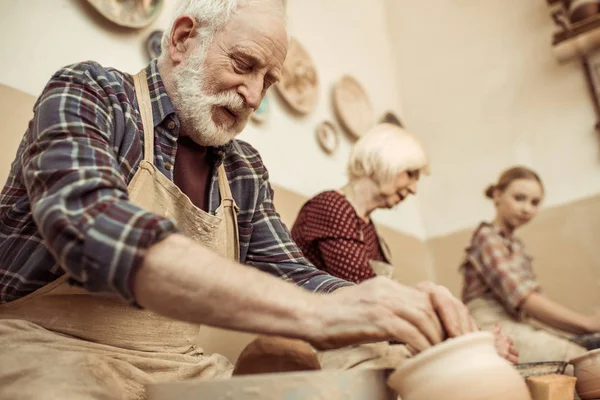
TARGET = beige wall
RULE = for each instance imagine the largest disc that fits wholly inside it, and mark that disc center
(342, 36)
(480, 86)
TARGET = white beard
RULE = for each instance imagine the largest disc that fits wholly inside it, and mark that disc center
(194, 106)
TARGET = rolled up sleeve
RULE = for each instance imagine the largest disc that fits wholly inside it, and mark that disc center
(273, 251)
(78, 193)
(507, 274)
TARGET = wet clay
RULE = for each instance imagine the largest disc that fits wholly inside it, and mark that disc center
(271, 354)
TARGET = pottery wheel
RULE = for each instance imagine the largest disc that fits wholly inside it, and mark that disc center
(352, 106)
(299, 83)
(128, 13)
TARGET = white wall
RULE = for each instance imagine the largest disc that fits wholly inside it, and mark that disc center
(480, 85)
(343, 36)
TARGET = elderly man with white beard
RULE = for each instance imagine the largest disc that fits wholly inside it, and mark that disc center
(132, 215)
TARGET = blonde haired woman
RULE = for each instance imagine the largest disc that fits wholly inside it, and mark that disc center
(499, 283)
(334, 228)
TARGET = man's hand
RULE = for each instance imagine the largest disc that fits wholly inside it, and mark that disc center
(377, 310)
(454, 315)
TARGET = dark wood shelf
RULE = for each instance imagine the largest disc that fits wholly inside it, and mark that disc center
(577, 29)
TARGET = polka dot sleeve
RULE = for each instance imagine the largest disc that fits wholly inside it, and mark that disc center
(346, 259)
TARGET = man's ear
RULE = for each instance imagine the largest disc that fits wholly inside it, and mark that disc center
(184, 29)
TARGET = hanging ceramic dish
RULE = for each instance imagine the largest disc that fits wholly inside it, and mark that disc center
(299, 83)
(352, 106)
(391, 118)
(580, 10)
(327, 136)
(262, 112)
(129, 13)
(153, 44)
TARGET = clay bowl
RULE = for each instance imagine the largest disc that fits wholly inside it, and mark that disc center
(541, 368)
(356, 384)
(587, 372)
(464, 368)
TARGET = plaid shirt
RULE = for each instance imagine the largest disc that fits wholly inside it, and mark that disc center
(65, 205)
(504, 268)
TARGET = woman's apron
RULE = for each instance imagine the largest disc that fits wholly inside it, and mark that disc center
(105, 319)
(535, 341)
(383, 268)
(374, 355)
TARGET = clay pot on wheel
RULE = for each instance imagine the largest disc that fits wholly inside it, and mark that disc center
(464, 368)
(583, 9)
(587, 372)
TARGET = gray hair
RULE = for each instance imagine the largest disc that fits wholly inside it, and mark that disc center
(212, 15)
(385, 152)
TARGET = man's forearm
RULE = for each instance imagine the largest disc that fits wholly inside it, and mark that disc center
(186, 281)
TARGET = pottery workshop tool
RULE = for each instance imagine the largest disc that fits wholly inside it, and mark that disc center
(541, 368)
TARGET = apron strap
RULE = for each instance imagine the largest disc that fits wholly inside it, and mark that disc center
(231, 210)
(145, 105)
(385, 249)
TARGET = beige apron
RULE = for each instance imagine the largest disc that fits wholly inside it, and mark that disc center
(382, 268)
(129, 347)
(535, 341)
(374, 355)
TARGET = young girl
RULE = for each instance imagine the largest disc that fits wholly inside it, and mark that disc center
(499, 283)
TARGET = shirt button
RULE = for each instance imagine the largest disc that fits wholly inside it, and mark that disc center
(171, 125)
(168, 166)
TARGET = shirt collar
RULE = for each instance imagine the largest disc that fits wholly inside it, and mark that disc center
(162, 106)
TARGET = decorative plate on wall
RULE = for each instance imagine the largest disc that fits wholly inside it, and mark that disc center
(262, 112)
(327, 136)
(129, 13)
(352, 106)
(391, 118)
(153, 44)
(299, 83)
